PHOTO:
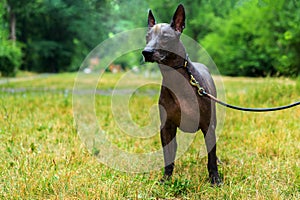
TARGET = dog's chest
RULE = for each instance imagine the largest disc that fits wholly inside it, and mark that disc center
(181, 108)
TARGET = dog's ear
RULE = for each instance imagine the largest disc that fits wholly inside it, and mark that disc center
(178, 21)
(151, 19)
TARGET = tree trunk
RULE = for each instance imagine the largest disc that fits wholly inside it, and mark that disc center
(12, 23)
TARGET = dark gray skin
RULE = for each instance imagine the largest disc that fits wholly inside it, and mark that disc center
(180, 105)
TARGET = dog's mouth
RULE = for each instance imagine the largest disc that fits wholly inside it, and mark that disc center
(158, 56)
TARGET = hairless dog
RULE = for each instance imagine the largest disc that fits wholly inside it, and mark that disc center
(180, 105)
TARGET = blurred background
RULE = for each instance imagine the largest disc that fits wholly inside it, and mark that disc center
(244, 37)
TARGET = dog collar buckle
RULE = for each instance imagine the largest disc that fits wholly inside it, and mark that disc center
(185, 63)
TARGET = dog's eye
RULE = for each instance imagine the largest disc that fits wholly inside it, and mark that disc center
(165, 36)
(148, 37)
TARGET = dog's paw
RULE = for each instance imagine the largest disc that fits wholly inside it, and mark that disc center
(164, 179)
(215, 180)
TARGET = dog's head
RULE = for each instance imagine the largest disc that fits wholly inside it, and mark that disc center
(163, 40)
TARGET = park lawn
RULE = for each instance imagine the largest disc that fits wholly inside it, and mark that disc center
(42, 157)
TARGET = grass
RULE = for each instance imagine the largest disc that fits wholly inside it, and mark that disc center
(42, 157)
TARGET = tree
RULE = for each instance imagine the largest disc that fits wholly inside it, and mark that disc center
(10, 52)
(255, 39)
(244, 37)
(58, 34)
(287, 36)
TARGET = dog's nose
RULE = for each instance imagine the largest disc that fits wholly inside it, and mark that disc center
(148, 54)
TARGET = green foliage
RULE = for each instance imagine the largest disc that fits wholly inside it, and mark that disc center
(10, 53)
(58, 34)
(288, 38)
(10, 58)
(256, 40)
(244, 37)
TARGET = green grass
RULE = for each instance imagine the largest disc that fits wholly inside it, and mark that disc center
(42, 157)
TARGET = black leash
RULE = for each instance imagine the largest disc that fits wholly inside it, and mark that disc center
(248, 109)
(202, 92)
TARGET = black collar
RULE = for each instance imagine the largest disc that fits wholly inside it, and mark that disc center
(185, 64)
(181, 66)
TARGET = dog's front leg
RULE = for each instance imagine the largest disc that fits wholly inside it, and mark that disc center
(169, 144)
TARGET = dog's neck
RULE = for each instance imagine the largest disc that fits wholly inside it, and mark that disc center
(176, 64)
(171, 73)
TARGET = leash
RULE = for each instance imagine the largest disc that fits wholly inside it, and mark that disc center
(201, 91)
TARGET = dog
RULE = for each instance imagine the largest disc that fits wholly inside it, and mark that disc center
(180, 105)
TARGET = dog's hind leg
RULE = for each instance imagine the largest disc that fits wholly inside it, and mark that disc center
(168, 140)
(211, 146)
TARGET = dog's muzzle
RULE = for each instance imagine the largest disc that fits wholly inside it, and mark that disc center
(148, 55)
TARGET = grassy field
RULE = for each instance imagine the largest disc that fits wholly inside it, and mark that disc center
(42, 157)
